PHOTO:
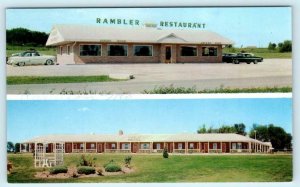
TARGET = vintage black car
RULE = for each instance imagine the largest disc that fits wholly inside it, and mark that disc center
(227, 57)
(243, 57)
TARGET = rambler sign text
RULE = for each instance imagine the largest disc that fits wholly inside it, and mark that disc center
(135, 22)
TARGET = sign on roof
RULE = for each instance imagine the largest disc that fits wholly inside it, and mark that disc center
(136, 22)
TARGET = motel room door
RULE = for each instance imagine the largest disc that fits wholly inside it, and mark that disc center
(68, 147)
(168, 55)
(100, 148)
(223, 147)
(205, 147)
(134, 147)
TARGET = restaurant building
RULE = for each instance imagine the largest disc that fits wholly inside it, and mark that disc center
(186, 143)
(83, 44)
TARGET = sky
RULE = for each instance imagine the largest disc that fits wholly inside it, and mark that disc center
(30, 118)
(246, 26)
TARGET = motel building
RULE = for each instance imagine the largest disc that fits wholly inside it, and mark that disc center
(148, 143)
(84, 44)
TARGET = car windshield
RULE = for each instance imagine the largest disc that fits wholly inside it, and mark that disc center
(26, 53)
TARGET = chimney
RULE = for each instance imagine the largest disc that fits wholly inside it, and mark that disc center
(120, 133)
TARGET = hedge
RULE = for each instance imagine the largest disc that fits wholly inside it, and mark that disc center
(85, 170)
(58, 169)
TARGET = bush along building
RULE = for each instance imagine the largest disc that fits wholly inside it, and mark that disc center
(82, 44)
(149, 143)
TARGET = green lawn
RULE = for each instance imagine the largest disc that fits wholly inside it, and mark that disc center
(177, 168)
(182, 90)
(12, 80)
(261, 52)
(18, 49)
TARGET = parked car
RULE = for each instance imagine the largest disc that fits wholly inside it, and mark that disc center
(31, 58)
(244, 57)
(227, 57)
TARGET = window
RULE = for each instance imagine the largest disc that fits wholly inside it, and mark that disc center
(125, 146)
(113, 146)
(145, 146)
(68, 49)
(179, 145)
(90, 50)
(142, 50)
(239, 145)
(215, 146)
(233, 145)
(158, 146)
(188, 51)
(191, 145)
(60, 50)
(27, 54)
(209, 51)
(92, 146)
(117, 50)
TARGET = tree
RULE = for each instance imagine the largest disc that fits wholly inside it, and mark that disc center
(202, 129)
(272, 46)
(286, 46)
(165, 153)
(276, 135)
(240, 129)
(17, 147)
(212, 130)
(227, 129)
(23, 36)
(10, 147)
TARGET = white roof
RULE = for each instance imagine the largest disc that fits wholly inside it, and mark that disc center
(61, 34)
(190, 137)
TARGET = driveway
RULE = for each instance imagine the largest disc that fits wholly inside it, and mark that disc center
(270, 73)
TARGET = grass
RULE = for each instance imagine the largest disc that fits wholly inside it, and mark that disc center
(13, 80)
(177, 168)
(17, 49)
(261, 52)
(182, 90)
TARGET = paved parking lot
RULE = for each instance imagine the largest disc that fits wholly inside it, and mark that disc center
(270, 73)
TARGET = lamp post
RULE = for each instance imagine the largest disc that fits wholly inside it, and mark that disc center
(255, 139)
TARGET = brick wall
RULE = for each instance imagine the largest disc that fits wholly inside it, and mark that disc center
(104, 58)
(65, 58)
(158, 55)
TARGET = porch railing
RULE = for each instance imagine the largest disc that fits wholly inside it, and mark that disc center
(91, 150)
(240, 151)
(158, 150)
(179, 150)
(144, 151)
(78, 150)
(215, 150)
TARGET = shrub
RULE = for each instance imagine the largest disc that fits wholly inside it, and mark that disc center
(127, 160)
(165, 153)
(111, 161)
(58, 169)
(112, 167)
(85, 170)
(89, 161)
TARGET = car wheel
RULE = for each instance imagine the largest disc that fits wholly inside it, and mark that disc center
(49, 62)
(255, 62)
(236, 61)
(21, 64)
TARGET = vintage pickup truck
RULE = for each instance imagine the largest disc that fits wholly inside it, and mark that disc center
(241, 57)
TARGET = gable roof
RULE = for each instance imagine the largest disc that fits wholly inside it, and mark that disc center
(62, 34)
(183, 137)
